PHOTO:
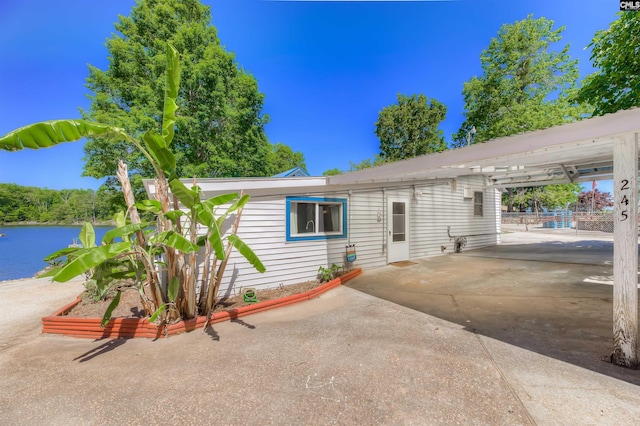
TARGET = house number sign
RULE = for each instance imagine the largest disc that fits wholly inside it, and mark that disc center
(624, 186)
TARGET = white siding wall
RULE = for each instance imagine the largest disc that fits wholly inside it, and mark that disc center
(365, 230)
(444, 205)
(263, 228)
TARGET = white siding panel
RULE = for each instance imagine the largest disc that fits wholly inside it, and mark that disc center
(441, 206)
(367, 228)
(432, 210)
(263, 228)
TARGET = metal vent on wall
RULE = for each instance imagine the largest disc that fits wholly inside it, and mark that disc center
(467, 192)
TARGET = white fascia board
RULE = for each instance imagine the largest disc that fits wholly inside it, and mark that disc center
(605, 127)
(224, 185)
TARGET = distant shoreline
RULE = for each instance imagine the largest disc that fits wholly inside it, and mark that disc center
(16, 224)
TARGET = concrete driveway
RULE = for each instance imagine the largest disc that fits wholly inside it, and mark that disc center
(344, 358)
(546, 292)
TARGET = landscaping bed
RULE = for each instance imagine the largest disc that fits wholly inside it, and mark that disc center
(78, 320)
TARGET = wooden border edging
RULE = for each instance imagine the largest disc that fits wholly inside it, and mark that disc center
(89, 328)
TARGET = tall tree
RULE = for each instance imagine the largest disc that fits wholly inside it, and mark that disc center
(616, 83)
(219, 128)
(537, 198)
(525, 84)
(410, 128)
(282, 158)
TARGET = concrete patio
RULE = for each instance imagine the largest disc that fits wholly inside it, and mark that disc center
(481, 339)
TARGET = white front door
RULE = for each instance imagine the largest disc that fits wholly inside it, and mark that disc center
(397, 229)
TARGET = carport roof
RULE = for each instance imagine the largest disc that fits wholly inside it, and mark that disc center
(575, 152)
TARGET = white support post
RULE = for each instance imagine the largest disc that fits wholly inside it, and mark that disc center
(625, 252)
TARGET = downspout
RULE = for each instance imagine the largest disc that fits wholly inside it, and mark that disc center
(384, 230)
(349, 224)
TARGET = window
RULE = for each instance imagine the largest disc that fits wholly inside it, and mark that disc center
(477, 204)
(398, 231)
(316, 218)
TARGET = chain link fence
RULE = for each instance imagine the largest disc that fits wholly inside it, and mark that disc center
(601, 221)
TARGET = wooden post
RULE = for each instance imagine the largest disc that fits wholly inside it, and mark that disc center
(625, 252)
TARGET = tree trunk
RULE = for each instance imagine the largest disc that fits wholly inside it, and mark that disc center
(123, 177)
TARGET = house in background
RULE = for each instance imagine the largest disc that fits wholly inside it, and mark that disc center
(410, 209)
(298, 224)
(295, 172)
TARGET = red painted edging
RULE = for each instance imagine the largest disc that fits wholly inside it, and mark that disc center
(59, 323)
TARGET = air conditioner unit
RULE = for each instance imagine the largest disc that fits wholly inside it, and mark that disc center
(467, 192)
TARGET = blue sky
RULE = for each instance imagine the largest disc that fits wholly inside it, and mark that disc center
(326, 67)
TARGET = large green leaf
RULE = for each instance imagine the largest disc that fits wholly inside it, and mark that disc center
(172, 291)
(50, 272)
(112, 306)
(152, 206)
(160, 153)
(188, 197)
(221, 199)
(215, 238)
(90, 258)
(157, 313)
(176, 241)
(49, 133)
(87, 235)
(173, 214)
(238, 204)
(125, 230)
(171, 94)
(248, 254)
(62, 252)
(202, 214)
(120, 219)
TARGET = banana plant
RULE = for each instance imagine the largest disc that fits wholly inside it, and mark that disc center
(174, 280)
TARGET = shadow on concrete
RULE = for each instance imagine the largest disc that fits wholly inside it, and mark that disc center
(105, 347)
(587, 252)
(212, 333)
(243, 323)
(544, 297)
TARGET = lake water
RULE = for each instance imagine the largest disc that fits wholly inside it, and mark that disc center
(24, 247)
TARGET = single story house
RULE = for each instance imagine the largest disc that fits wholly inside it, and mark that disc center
(407, 209)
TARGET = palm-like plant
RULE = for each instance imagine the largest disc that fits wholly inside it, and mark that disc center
(163, 259)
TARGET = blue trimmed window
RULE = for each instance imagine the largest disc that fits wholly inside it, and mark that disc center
(316, 218)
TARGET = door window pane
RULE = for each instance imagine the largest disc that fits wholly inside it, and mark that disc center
(398, 232)
(398, 208)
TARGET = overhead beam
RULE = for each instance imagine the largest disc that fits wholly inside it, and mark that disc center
(499, 184)
(566, 173)
(625, 251)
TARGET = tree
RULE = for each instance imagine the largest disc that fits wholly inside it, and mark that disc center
(594, 200)
(219, 129)
(410, 128)
(525, 84)
(548, 197)
(332, 172)
(165, 260)
(282, 158)
(616, 83)
(366, 163)
(42, 205)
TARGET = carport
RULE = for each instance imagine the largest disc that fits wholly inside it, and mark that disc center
(594, 149)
